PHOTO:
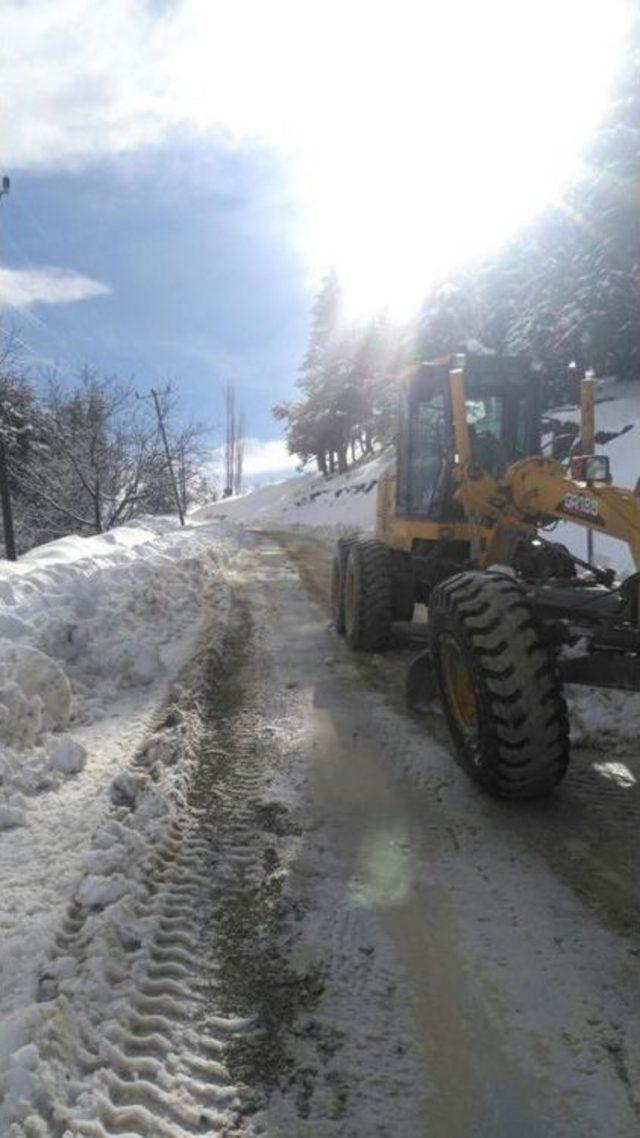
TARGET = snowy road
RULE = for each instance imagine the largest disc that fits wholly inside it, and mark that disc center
(324, 929)
(522, 1003)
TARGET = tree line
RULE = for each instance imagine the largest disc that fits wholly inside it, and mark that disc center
(565, 291)
(87, 456)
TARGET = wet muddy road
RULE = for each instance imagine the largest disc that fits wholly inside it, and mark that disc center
(339, 935)
(588, 832)
(511, 933)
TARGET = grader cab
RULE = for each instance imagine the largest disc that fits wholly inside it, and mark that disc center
(511, 615)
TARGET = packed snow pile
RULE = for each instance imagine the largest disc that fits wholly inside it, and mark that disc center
(112, 894)
(83, 620)
(93, 632)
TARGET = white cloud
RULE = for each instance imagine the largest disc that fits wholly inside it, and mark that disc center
(263, 458)
(76, 79)
(267, 457)
(20, 288)
(420, 131)
(81, 78)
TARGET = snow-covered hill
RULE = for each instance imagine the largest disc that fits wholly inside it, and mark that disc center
(347, 502)
(341, 502)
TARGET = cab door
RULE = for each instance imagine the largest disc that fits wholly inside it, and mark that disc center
(424, 453)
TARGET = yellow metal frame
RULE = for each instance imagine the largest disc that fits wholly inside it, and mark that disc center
(400, 533)
(459, 410)
(501, 513)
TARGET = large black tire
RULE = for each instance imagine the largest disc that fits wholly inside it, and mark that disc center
(368, 596)
(499, 685)
(338, 574)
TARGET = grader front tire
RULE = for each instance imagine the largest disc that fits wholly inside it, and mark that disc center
(368, 596)
(499, 685)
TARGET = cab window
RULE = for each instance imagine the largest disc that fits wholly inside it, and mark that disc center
(426, 452)
(486, 420)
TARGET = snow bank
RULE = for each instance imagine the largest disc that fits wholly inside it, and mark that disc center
(340, 503)
(111, 892)
(35, 694)
(92, 634)
(83, 621)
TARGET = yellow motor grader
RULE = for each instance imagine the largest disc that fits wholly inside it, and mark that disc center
(511, 615)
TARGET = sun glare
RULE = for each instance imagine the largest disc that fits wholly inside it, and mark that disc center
(453, 125)
(418, 133)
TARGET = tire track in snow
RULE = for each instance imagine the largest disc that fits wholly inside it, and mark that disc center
(143, 1002)
(227, 991)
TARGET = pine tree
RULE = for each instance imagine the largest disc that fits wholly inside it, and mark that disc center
(347, 382)
(605, 206)
(316, 425)
(566, 289)
(326, 321)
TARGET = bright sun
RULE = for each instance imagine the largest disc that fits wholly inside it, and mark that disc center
(419, 133)
(444, 127)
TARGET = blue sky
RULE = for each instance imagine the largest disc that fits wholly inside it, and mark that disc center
(185, 171)
(195, 243)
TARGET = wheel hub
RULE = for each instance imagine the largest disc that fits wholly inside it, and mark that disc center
(459, 688)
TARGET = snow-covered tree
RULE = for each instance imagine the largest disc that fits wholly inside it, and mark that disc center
(566, 289)
(346, 383)
(87, 457)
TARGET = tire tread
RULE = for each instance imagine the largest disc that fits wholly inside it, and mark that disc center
(370, 631)
(524, 732)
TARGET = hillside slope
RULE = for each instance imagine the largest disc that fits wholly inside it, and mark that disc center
(340, 502)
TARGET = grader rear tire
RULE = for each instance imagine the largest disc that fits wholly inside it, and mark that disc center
(499, 685)
(403, 589)
(368, 596)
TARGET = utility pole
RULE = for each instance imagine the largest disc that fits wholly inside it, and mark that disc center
(230, 445)
(163, 435)
(5, 495)
(172, 472)
(234, 445)
(237, 474)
